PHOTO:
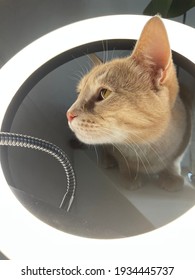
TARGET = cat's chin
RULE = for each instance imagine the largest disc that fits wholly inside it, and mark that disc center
(89, 141)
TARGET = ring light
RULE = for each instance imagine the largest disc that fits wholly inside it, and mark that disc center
(22, 235)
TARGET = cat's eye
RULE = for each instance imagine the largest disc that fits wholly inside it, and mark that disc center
(104, 93)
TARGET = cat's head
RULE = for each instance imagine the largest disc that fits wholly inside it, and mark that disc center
(128, 100)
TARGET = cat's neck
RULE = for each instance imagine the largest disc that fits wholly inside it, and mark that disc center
(178, 114)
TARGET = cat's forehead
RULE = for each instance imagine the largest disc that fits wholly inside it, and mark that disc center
(123, 74)
(93, 77)
(101, 74)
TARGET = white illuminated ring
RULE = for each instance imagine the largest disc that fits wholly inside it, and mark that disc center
(22, 235)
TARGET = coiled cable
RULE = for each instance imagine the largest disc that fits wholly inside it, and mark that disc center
(24, 141)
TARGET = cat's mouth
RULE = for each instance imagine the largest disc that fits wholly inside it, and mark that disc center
(86, 133)
(90, 132)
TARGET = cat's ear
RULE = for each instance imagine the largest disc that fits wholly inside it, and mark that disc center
(95, 59)
(153, 46)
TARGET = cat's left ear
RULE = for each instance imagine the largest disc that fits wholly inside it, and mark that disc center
(95, 59)
(153, 46)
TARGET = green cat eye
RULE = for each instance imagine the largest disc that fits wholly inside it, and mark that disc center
(104, 93)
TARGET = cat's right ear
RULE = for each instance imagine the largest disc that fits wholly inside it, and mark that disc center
(95, 59)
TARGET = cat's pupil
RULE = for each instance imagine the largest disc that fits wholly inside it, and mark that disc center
(103, 94)
(100, 95)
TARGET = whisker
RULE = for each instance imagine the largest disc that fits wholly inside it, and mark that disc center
(73, 78)
(151, 148)
(106, 50)
(78, 76)
(96, 152)
(126, 161)
(112, 55)
(119, 150)
(90, 63)
(84, 70)
(130, 145)
(138, 157)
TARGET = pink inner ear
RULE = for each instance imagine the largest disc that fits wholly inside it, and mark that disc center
(154, 44)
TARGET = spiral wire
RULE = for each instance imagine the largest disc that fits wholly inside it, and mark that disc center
(25, 141)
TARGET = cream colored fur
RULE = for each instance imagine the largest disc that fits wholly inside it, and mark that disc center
(143, 117)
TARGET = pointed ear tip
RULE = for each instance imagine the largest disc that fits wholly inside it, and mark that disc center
(158, 15)
(156, 19)
(156, 23)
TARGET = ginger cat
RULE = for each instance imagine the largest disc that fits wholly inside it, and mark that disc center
(133, 105)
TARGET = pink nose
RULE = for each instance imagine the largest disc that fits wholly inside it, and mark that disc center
(70, 116)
